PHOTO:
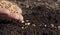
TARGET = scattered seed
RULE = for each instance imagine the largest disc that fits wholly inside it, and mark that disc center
(52, 25)
(22, 27)
(22, 21)
(8, 5)
(58, 27)
(27, 23)
(45, 25)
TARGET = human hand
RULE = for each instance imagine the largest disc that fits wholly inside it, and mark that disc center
(16, 16)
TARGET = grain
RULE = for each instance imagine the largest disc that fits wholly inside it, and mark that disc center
(8, 5)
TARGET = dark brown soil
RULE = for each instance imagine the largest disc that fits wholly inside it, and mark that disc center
(43, 15)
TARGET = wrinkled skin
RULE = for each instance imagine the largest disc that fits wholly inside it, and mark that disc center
(7, 13)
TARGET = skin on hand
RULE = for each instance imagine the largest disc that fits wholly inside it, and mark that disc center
(16, 16)
(11, 15)
(4, 11)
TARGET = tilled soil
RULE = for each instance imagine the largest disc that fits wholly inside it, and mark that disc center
(43, 18)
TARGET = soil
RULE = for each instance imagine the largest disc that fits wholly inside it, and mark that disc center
(43, 16)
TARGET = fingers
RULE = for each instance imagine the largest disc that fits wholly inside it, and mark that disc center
(20, 17)
(20, 11)
(12, 15)
(4, 11)
(16, 16)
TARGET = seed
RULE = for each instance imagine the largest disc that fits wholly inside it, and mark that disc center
(45, 25)
(52, 25)
(8, 5)
(27, 23)
(58, 27)
(22, 27)
(22, 21)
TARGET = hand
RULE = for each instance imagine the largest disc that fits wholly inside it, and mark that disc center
(7, 13)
